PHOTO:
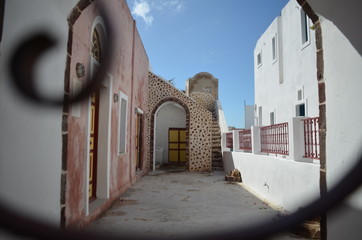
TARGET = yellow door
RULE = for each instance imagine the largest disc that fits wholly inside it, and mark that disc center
(177, 145)
(93, 145)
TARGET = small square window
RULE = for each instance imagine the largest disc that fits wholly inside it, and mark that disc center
(258, 59)
(300, 110)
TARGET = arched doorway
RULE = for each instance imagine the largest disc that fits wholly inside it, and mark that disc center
(99, 122)
(170, 142)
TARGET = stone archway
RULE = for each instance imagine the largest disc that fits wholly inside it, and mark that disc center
(169, 113)
(198, 124)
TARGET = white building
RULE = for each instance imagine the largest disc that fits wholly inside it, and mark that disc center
(342, 71)
(285, 69)
(249, 115)
(313, 69)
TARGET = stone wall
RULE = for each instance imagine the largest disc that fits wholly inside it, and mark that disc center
(204, 99)
(203, 82)
(198, 124)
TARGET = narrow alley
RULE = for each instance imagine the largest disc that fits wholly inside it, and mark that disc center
(174, 203)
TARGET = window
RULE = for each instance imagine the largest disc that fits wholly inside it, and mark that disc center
(272, 119)
(123, 123)
(304, 27)
(300, 95)
(258, 59)
(274, 48)
(300, 110)
(96, 49)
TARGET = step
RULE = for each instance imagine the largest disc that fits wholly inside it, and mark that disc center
(217, 164)
(218, 168)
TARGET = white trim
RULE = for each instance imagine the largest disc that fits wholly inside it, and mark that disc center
(155, 130)
(103, 35)
(154, 133)
(124, 97)
(97, 20)
(104, 138)
(93, 63)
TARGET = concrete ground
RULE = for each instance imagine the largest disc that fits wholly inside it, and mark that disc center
(177, 204)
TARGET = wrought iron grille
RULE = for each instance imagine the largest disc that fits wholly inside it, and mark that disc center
(275, 139)
(229, 140)
(245, 140)
(311, 138)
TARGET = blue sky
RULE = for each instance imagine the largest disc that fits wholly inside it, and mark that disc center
(185, 37)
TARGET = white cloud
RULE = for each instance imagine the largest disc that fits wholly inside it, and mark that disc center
(175, 5)
(170, 5)
(142, 9)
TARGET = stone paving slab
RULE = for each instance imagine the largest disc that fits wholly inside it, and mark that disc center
(177, 204)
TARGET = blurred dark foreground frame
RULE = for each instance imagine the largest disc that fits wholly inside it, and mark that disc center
(20, 225)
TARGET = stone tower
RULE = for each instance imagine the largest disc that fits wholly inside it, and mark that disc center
(203, 88)
(203, 82)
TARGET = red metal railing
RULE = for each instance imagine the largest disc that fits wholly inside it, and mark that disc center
(275, 139)
(245, 140)
(229, 140)
(311, 138)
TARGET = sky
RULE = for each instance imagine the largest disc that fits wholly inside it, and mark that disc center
(185, 37)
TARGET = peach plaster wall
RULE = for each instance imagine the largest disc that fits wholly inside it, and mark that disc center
(129, 73)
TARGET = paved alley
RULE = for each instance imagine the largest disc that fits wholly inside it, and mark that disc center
(168, 204)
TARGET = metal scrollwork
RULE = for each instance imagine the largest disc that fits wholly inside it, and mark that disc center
(27, 54)
(29, 51)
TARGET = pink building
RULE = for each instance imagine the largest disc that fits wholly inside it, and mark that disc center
(102, 136)
(71, 162)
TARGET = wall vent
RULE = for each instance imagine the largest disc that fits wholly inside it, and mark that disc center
(300, 95)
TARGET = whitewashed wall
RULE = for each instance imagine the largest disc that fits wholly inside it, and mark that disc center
(277, 81)
(170, 115)
(31, 146)
(221, 117)
(342, 75)
(286, 183)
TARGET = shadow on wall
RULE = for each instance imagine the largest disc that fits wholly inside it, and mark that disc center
(228, 165)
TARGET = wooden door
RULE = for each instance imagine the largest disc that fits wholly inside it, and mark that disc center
(93, 145)
(177, 145)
